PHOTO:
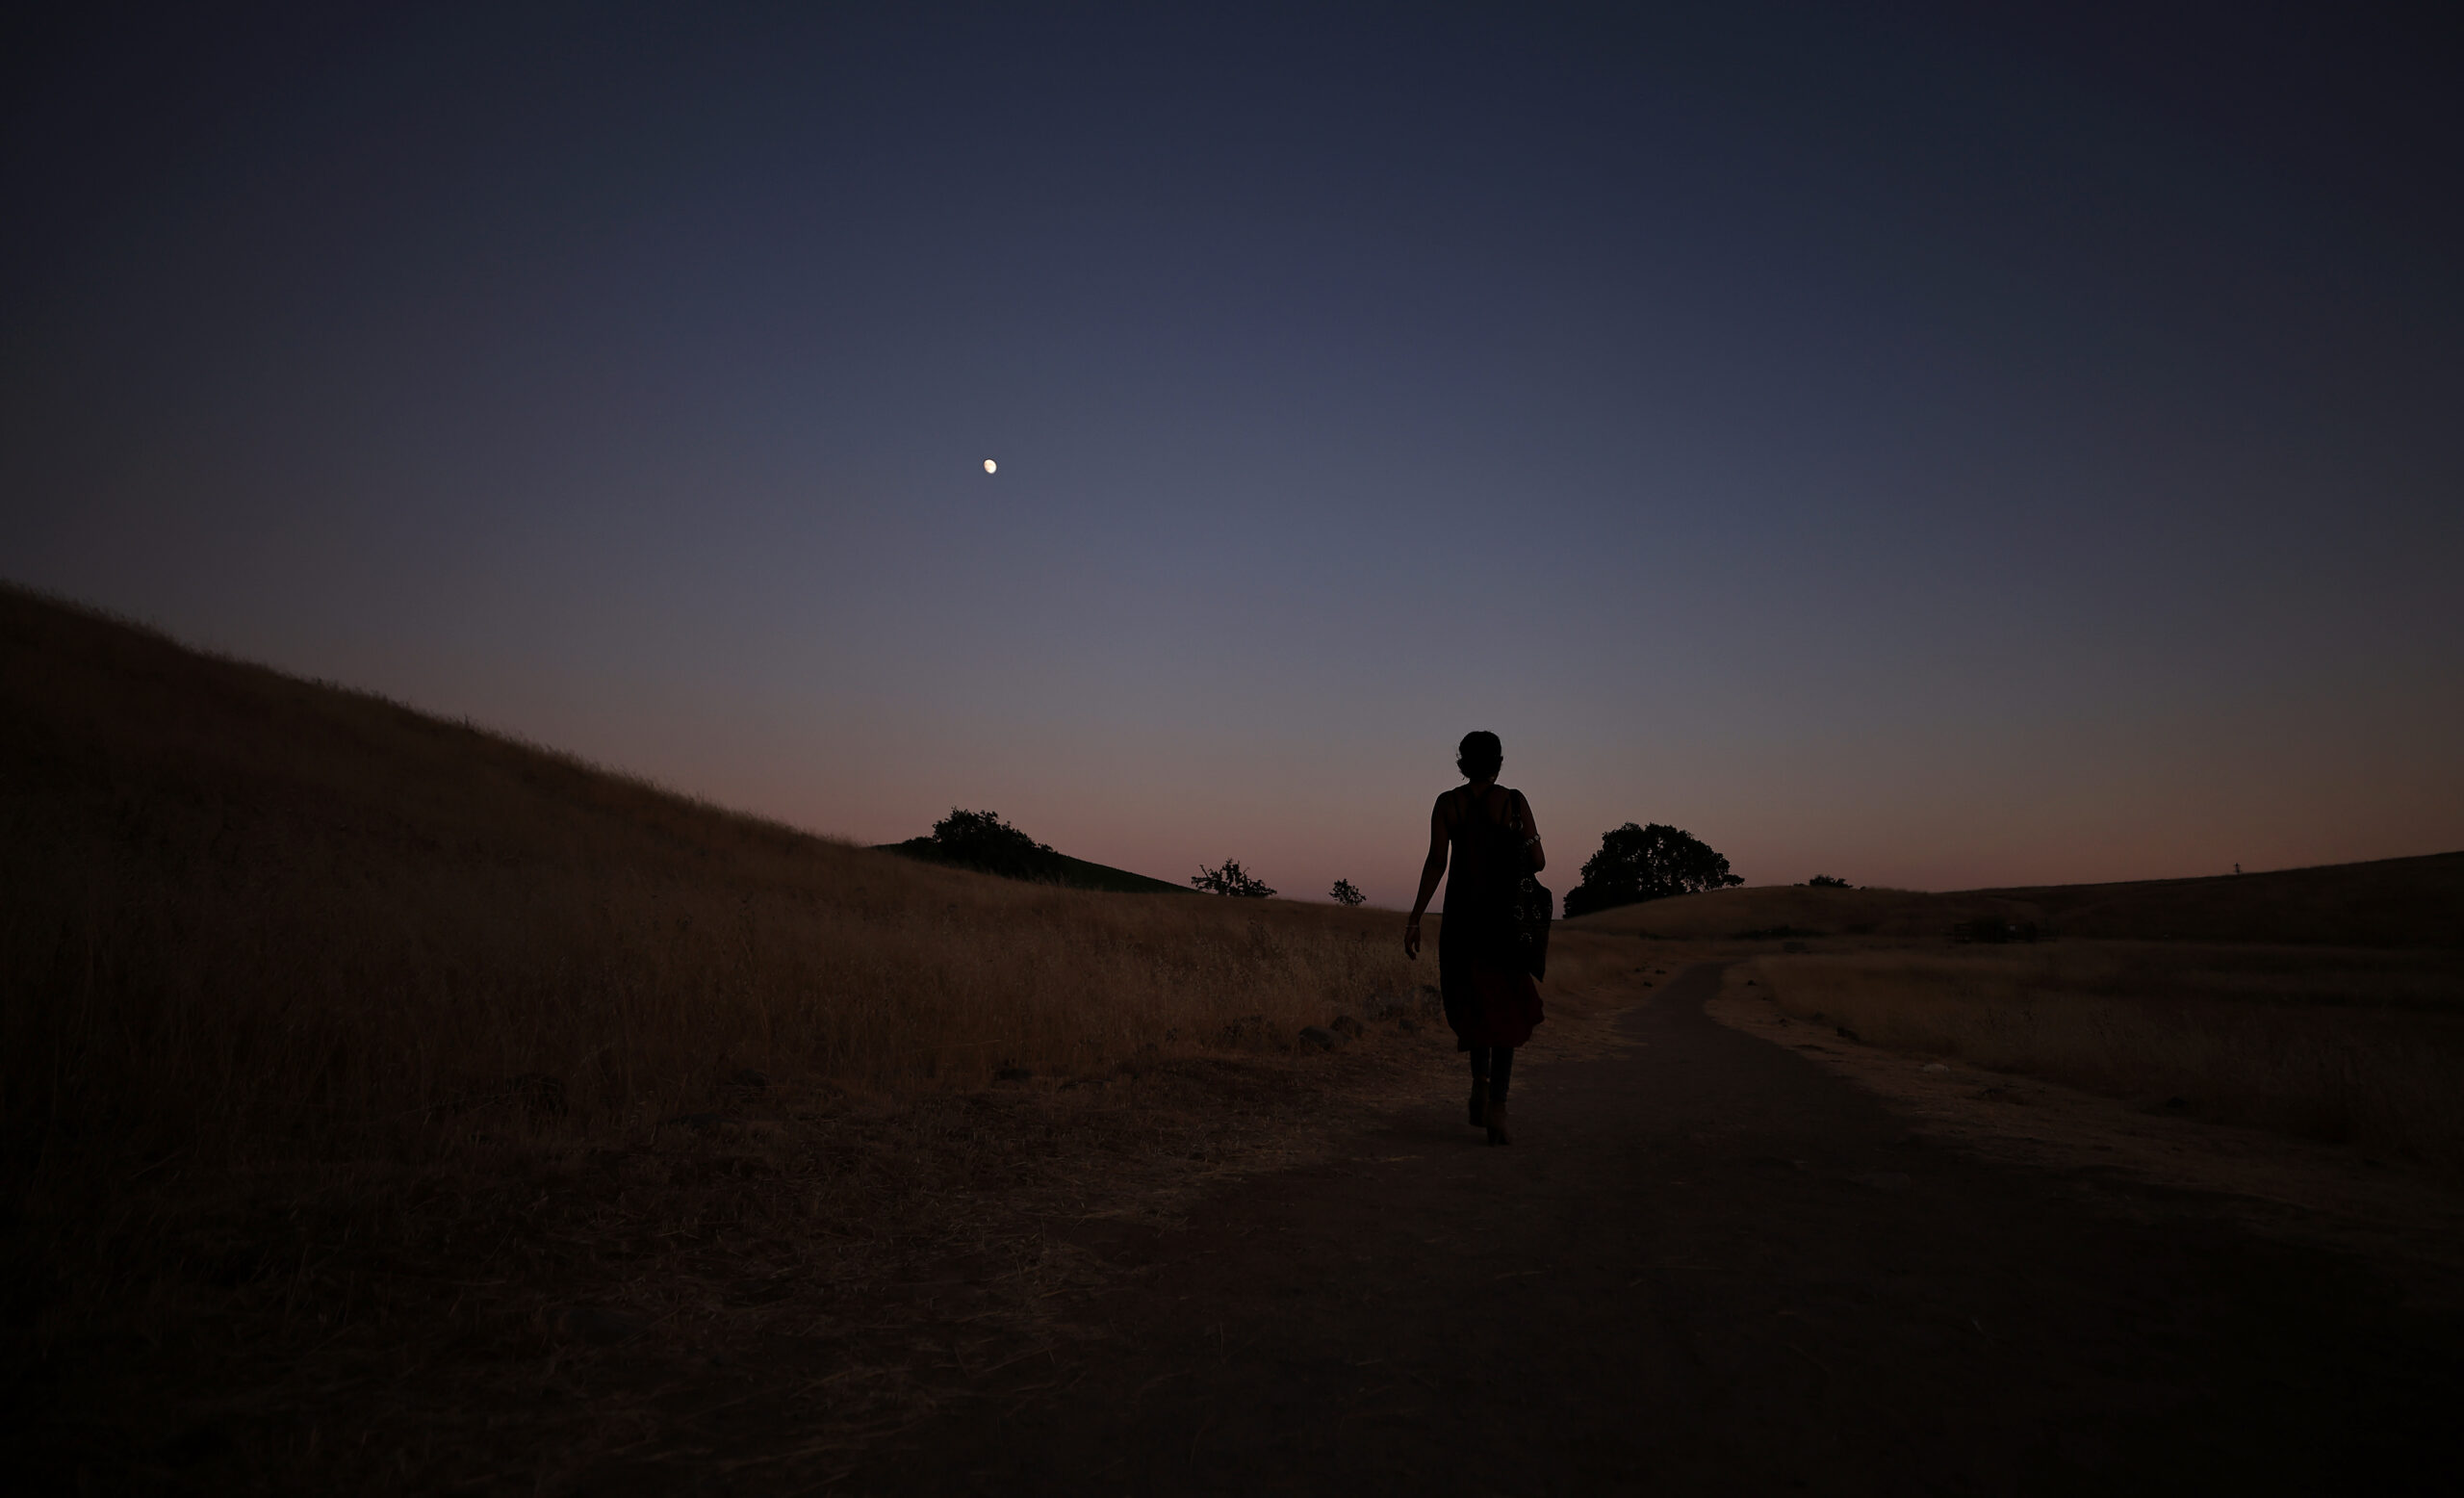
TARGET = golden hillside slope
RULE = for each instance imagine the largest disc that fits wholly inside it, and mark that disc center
(2396, 902)
(240, 908)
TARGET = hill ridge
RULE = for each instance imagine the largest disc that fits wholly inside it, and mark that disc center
(2412, 901)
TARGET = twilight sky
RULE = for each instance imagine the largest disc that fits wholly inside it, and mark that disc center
(1933, 446)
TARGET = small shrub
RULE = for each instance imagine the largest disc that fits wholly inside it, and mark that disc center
(1231, 879)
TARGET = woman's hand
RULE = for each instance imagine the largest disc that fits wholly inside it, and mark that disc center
(1412, 938)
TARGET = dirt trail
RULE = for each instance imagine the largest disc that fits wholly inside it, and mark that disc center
(1707, 1267)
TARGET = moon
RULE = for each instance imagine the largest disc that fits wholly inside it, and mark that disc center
(992, 467)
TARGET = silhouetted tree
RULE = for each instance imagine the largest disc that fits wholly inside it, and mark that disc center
(1825, 882)
(982, 839)
(1637, 864)
(1346, 892)
(1231, 879)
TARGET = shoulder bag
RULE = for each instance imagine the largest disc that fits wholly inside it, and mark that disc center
(1530, 906)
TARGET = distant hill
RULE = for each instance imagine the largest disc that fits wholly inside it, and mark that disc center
(1074, 873)
(2386, 903)
(291, 974)
(240, 909)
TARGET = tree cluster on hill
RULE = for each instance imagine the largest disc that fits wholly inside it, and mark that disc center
(982, 840)
(1637, 864)
(1346, 892)
(1231, 879)
(1825, 882)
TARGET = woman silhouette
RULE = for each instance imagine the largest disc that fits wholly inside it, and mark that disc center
(1491, 1000)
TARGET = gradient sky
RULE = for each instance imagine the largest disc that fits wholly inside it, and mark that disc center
(1889, 442)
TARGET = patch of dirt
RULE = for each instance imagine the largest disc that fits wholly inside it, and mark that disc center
(547, 1315)
(1705, 1266)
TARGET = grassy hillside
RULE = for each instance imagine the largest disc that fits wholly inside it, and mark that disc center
(2403, 902)
(240, 912)
(2389, 902)
(376, 1091)
(1081, 874)
(2320, 1001)
(2348, 1045)
(1902, 915)
(2325, 1002)
(1075, 873)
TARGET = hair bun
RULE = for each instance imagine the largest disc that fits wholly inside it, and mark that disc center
(1481, 753)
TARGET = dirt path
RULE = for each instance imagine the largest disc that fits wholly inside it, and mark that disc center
(1707, 1267)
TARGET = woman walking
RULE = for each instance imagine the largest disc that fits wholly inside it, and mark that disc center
(1492, 1001)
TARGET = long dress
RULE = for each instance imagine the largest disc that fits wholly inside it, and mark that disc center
(1490, 1000)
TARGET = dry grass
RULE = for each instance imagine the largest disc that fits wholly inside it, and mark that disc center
(2354, 1046)
(245, 915)
(2396, 902)
(1901, 915)
(2325, 1002)
(354, 1062)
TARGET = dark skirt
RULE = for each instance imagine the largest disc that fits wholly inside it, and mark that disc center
(1490, 1000)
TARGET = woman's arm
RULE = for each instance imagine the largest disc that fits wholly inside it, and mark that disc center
(1432, 870)
(1531, 835)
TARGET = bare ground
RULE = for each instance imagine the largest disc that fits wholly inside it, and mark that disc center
(770, 1285)
(1722, 1257)
(1708, 1266)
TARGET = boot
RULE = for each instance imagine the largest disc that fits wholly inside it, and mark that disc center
(1479, 1101)
(1496, 1113)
